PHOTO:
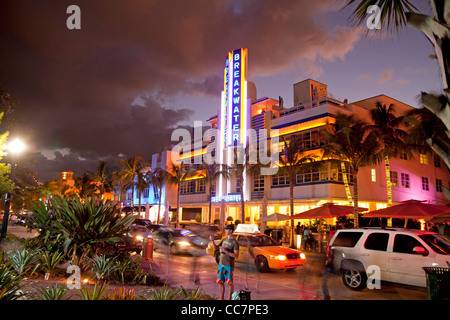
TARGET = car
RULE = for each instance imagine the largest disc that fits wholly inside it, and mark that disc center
(266, 252)
(203, 230)
(139, 232)
(147, 223)
(179, 241)
(129, 243)
(400, 255)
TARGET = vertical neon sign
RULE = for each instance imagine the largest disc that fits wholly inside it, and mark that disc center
(235, 98)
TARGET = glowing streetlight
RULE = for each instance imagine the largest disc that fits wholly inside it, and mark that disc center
(14, 147)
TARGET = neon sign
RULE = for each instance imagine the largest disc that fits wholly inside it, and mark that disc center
(234, 110)
(232, 197)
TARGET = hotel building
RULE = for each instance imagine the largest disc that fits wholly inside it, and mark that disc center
(420, 177)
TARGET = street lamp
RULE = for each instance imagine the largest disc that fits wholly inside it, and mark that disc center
(14, 147)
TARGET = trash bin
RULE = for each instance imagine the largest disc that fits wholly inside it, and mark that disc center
(438, 283)
(147, 249)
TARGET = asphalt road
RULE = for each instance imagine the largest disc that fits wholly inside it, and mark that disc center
(305, 283)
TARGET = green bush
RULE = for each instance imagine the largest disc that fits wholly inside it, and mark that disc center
(10, 288)
(52, 293)
(89, 225)
(24, 261)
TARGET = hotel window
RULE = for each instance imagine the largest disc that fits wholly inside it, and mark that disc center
(423, 158)
(405, 180)
(146, 192)
(280, 180)
(394, 178)
(187, 187)
(437, 161)
(403, 156)
(373, 175)
(438, 185)
(200, 186)
(258, 183)
(238, 188)
(425, 184)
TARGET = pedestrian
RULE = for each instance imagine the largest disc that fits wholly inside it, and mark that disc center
(298, 228)
(306, 237)
(250, 266)
(229, 252)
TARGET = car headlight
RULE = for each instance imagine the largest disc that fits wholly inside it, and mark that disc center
(184, 243)
(278, 257)
(302, 256)
(140, 238)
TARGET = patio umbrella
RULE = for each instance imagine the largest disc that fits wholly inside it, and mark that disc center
(441, 218)
(325, 211)
(274, 217)
(410, 209)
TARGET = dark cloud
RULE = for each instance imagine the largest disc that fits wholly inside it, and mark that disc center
(77, 87)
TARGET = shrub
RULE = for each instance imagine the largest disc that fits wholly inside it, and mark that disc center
(97, 292)
(24, 261)
(164, 293)
(10, 288)
(49, 262)
(102, 266)
(52, 293)
(89, 224)
(121, 294)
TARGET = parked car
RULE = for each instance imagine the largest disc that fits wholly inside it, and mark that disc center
(138, 232)
(266, 252)
(147, 223)
(399, 254)
(179, 241)
(129, 243)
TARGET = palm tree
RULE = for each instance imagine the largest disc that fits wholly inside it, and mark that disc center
(103, 178)
(128, 173)
(437, 29)
(354, 142)
(158, 178)
(291, 160)
(211, 173)
(387, 127)
(84, 186)
(141, 184)
(176, 176)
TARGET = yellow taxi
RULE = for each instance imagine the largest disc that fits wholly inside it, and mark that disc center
(262, 250)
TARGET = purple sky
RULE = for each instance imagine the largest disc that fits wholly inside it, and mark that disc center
(139, 68)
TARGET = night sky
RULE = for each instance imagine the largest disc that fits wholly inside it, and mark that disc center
(137, 69)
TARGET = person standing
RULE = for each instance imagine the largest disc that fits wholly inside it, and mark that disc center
(229, 252)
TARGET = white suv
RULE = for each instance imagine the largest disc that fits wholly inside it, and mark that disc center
(399, 254)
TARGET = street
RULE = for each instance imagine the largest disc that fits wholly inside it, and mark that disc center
(304, 283)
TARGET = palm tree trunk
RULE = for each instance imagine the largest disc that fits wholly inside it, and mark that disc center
(178, 206)
(355, 201)
(291, 209)
(346, 184)
(210, 206)
(159, 204)
(388, 180)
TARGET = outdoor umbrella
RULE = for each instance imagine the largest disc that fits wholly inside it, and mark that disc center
(442, 218)
(410, 209)
(325, 211)
(274, 217)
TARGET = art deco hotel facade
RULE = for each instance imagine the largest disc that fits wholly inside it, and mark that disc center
(420, 177)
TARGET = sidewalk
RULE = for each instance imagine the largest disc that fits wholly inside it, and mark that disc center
(21, 232)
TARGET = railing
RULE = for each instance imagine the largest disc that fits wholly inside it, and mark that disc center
(305, 106)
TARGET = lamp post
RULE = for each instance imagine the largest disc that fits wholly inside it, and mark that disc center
(15, 147)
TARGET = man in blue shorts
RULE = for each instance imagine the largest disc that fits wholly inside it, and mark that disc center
(229, 251)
